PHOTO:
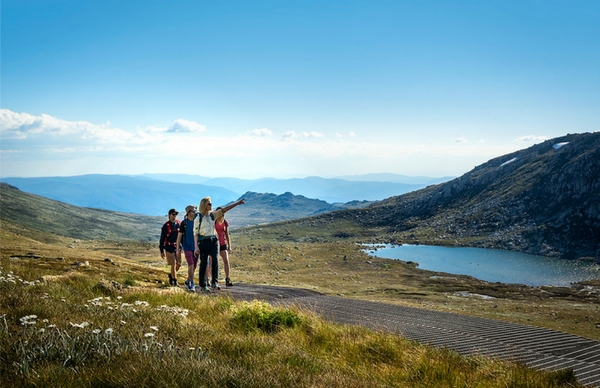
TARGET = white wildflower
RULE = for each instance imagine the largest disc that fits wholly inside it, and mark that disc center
(28, 320)
(96, 331)
(149, 335)
(79, 325)
(154, 328)
(108, 331)
(141, 303)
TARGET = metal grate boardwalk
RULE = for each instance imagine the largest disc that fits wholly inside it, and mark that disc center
(536, 347)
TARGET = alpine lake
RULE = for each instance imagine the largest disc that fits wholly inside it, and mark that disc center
(492, 265)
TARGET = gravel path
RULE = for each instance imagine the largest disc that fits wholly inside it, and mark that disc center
(536, 347)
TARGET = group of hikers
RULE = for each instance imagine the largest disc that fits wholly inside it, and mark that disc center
(203, 236)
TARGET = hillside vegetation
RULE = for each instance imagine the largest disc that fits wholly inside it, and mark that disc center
(38, 214)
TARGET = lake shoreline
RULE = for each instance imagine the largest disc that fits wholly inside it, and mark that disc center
(491, 265)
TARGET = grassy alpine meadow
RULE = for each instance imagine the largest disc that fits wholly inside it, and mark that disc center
(72, 332)
(81, 313)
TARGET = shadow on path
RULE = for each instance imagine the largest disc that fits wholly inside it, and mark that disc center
(534, 346)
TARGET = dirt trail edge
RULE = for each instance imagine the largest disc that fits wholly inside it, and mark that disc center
(536, 347)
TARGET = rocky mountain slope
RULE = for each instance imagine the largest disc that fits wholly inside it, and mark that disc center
(542, 200)
(263, 208)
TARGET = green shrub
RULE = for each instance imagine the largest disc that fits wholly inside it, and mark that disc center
(262, 316)
(129, 281)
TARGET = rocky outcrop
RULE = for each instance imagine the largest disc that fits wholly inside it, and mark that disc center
(542, 200)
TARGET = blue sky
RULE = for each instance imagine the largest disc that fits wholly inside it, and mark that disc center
(254, 89)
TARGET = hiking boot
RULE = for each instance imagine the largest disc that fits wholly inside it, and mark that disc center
(228, 282)
(190, 286)
(170, 280)
(215, 286)
(205, 289)
(187, 282)
(175, 284)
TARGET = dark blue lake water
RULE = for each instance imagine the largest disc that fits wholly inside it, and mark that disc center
(492, 265)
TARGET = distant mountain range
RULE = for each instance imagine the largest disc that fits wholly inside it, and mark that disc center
(542, 200)
(47, 215)
(155, 194)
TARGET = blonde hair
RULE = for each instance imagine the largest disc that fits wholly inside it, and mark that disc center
(203, 204)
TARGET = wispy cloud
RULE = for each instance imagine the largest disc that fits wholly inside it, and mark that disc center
(186, 126)
(304, 134)
(349, 134)
(530, 139)
(260, 132)
(460, 140)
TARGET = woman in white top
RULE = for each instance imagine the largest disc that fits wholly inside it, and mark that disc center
(206, 241)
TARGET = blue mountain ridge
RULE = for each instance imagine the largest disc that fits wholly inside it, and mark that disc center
(155, 194)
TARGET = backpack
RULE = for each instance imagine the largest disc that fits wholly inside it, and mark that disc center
(167, 241)
(212, 216)
(183, 227)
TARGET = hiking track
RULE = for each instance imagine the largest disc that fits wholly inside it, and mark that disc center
(536, 347)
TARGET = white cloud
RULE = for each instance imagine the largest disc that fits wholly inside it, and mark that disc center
(530, 138)
(260, 132)
(304, 134)
(186, 126)
(312, 134)
(460, 140)
(44, 145)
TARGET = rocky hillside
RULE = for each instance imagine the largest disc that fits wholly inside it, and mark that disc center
(263, 208)
(542, 200)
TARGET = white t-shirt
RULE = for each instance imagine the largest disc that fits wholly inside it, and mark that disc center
(205, 225)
